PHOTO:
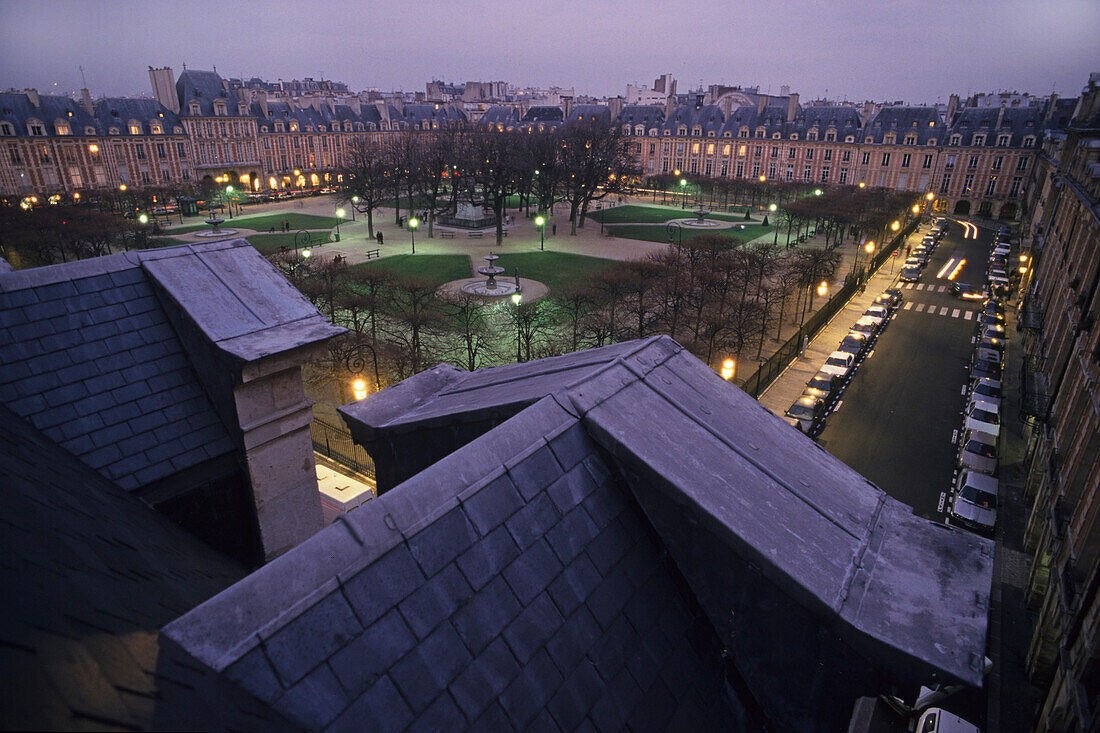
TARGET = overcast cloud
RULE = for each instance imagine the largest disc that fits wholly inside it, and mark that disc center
(917, 51)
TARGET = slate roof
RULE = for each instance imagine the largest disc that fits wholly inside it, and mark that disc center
(573, 566)
(88, 356)
(204, 87)
(16, 108)
(597, 113)
(89, 353)
(1019, 122)
(92, 574)
(544, 115)
(649, 116)
(120, 111)
(498, 115)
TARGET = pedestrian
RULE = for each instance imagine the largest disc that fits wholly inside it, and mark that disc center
(379, 237)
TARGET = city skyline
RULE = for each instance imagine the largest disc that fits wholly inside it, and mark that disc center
(898, 50)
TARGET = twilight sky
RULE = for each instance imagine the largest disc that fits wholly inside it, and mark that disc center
(912, 50)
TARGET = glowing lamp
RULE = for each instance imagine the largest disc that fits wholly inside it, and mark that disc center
(869, 247)
(539, 221)
(895, 226)
(822, 288)
(359, 389)
(729, 368)
(143, 219)
(517, 299)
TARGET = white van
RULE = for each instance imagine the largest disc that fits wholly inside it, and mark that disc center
(938, 720)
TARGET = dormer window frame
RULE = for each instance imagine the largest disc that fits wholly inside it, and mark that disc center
(978, 140)
(133, 127)
(794, 136)
(910, 139)
(696, 131)
(155, 128)
(955, 140)
(761, 133)
(221, 109)
(653, 132)
(1004, 140)
(35, 127)
(812, 134)
(830, 136)
(89, 130)
(62, 127)
(1028, 141)
(6, 129)
(194, 108)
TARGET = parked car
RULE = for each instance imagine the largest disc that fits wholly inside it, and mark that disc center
(895, 298)
(986, 388)
(978, 451)
(805, 413)
(992, 342)
(824, 386)
(909, 275)
(988, 356)
(992, 305)
(855, 344)
(989, 319)
(838, 364)
(913, 261)
(985, 370)
(993, 330)
(867, 326)
(974, 501)
(982, 416)
(877, 313)
(965, 291)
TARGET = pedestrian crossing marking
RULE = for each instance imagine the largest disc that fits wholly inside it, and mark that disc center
(941, 289)
(969, 315)
(943, 311)
(909, 305)
(920, 286)
(908, 286)
(955, 313)
(920, 307)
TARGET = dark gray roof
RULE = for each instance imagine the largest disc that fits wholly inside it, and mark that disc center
(530, 575)
(544, 115)
(597, 113)
(204, 87)
(1018, 122)
(16, 108)
(649, 116)
(498, 115)
(88, 356)
(92, 574)
(120, 111)
(925, 122)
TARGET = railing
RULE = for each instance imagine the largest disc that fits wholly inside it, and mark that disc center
(336, 443)
(762, 378)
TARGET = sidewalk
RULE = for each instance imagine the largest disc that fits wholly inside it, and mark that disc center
(788, 386)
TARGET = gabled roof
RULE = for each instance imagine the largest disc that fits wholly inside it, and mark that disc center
(93, 574)
(529, 575)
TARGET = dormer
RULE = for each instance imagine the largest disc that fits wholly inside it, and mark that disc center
(155, 128)
(830, 136)
(89, 130)
(194, 108)
(931, 142)
(979, 140)
(868, 140)
(653, 132)
(112, 130)
(35, 127)
(263, 128)
(727, 133)
(1029, 141)
(890, 138)
(794, 136)
(6, 129)
(811, 134)
(279, 126)
(955, 140)
(134, 127)
(710, 133)
(667, 131)
(242, 109)
(347, 126)
(220, 108)
(696, 131)
(682, 130)
(849, 138)
(639, 130)
(761, 132)
(294, 125)
(1003, 140)
(62, 127)
(776, 136)
(910, 139)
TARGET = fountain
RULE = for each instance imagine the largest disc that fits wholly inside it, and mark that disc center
(491, 286)
(700, 215)
(215, 222)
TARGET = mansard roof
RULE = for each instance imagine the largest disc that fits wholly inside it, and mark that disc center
(598, 113)
(17, 109)
(708, 118)
(120, 111)
(544, 115)
(648, 115)
(825, 117)
(902, 121)
(501, 115)
(204, 87)
(1018, 122)
(431, 113)
(569, 563)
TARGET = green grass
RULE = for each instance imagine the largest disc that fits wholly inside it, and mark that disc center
(553, 269)
(268, 243)
(439, 268)
(153, 242)
(634, 214)
(751, 231)
(265, 222)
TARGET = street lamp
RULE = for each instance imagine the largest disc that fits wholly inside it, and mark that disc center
(142, 220)
(229, 199)
(683, 194)
(729, 368)
(359, 389)
(540, 222)
(339, 215)
(817, 192)
(413, 224)
(862, 184)
(516, 300)
(895, 226)
(822, 288)
(354, 203)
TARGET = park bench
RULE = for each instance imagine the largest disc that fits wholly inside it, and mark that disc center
(371, 253)
(447, 235)
(474, 234)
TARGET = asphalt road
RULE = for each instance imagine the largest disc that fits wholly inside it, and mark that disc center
(896, 420)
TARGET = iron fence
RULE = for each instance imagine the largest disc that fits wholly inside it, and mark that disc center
(336, 443)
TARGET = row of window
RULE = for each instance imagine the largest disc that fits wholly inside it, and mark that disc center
(1004, 140)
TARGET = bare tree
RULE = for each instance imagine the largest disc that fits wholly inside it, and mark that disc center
(363, 181)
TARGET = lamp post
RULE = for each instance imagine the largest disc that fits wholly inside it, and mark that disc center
(359, 389)
(413, 224)
(354, 203)
(339, 215)
(142, 221)
(540, 222)
(683, 193)
(680, 232)
(516, 300)
(729, 369)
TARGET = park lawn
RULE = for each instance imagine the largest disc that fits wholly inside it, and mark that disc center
(553, 269)
(267, 221)
(751, 231)
(635, 214)
(269, 243)
(155, 242)
(438, 268)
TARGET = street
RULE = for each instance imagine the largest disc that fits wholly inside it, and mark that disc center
(897, 419)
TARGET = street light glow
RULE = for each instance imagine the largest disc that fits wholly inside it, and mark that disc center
(930, 196)
(916, 208)
(772, 207)
(143, 219)
(539, 221)
(517, 299)
(413, 222)
(869, 247)
(359, 389)
(896, 225)
(340, 213)
(822, 288)
(728, 369)
(817, 192)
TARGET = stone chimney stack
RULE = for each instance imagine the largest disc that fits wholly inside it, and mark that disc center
(32, 97)
(164, 87)
(86, 102)
(566, 105)
(952, 108)
(1000, 116)
(792, 107)
(761, 103)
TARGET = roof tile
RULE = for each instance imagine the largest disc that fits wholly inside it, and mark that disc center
(383, 583)
(574, 585)
(485, 679)
(571, 488)
(442, 541)
(528, 693)
(493, 504)
(359, 664)
(533, 628)
(572, 534)
(482, 562)
(379, 708)
(427, 670)
(435, 600)
(311, 637)
(315, 700)
(532, 522)
(532, 571)
(535, 471)
(483, 618)
(573, 639)
(581, 690)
